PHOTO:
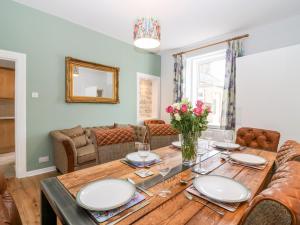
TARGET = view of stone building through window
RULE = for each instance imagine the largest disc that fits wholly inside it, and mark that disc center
(204, 80)
(145, 103)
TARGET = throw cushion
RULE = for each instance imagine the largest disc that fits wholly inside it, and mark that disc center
(77, 135)
(86, 154)
(161, 130)
(114, 136)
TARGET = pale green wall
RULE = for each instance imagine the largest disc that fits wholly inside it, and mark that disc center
(46, 40)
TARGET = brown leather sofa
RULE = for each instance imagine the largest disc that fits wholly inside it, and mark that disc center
(74, 148)
(279, 204)
(160, 134)
(9, 214)
(258, 138)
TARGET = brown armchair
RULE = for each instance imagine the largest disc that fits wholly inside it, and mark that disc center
(258, 138)
(9, 214)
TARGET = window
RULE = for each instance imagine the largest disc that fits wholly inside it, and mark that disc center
(204, 80)
(148, 88)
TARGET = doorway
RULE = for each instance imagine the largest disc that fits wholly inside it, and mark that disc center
(7, 118)
(13, 114)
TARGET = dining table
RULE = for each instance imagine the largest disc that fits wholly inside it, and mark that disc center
(58, 194)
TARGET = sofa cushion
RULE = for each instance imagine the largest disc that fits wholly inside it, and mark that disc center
(113, 136)
(87, 131)
(77, 135)
(86, 154)
(289, 151)
(161, 130)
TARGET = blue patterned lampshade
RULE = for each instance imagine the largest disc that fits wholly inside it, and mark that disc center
(146, 33)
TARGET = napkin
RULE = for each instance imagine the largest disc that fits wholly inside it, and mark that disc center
(101, 216)
(228, 206)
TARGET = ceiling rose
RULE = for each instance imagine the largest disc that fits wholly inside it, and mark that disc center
(146, 33)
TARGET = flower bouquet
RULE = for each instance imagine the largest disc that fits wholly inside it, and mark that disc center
(190, 122)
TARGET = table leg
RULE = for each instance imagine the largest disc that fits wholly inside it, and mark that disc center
(48, 216)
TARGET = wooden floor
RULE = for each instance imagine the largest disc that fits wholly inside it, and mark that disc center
(26, 193)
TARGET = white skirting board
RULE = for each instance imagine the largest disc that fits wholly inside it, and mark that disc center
(40, 171)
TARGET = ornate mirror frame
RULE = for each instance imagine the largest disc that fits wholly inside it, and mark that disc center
(70, 63)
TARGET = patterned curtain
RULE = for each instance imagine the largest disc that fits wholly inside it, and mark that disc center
(178, 78)
(235, 49)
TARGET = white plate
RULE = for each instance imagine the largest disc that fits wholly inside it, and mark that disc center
(105, 194)
(221, 189)
(135, 158)
(176, 144)
(225, 145)
(248, 159)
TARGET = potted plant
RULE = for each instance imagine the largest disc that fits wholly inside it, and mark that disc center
(190, 121)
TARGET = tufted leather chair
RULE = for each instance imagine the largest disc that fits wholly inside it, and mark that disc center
(147, 122)
(289, 151)
(9, 214)
(258, 138)
(279, 204)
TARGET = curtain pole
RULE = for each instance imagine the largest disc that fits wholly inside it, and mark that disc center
(212, 44)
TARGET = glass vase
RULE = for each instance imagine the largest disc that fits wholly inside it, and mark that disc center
(189, 144)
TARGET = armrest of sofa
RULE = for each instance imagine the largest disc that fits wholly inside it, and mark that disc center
(64, 146)
(140, 133)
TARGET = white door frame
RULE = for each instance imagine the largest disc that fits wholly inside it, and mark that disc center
(149, 77)
(20, 109)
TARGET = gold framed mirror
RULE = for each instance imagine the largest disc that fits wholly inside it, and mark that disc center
(91, 82)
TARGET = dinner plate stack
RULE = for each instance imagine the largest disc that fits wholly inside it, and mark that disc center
(105, 194)
(135, 159)
(221, 189)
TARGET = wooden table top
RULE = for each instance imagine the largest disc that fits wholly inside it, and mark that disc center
(176, 209)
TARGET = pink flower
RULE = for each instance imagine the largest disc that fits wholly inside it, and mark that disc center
(184, 108)
(208, 108)
(197, 111)
(169, 109)
(199, 104)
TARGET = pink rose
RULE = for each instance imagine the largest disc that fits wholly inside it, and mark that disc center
(208, 109)
(199, 104)
(197, 111)
(184, 108)
(169, 109)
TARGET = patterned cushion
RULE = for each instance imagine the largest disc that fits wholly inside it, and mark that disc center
(87, 131)
(161, 130)
(114, 136)
(77, 135)
(258, 138)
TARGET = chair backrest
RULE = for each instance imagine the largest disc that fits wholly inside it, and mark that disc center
(279, 204)
(147, 122)
(258, 138)
(289, 151)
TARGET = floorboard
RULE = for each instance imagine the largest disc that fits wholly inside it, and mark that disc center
(26, 193)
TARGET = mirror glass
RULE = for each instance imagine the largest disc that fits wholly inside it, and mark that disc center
(92, 83)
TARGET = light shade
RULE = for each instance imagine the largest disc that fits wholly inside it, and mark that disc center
(146, 33)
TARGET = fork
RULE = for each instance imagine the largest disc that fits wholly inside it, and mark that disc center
(191, 198)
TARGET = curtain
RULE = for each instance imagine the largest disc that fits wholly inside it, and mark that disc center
(234, 50)
(178, 78)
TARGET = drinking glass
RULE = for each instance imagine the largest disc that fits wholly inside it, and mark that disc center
(164, 168)
(200, 152)
(209, 136)
(143, 151)
(228, 137)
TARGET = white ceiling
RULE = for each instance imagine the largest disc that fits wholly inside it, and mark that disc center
(183, 22)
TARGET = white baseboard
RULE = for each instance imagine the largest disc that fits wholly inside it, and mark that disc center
(40, 171)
